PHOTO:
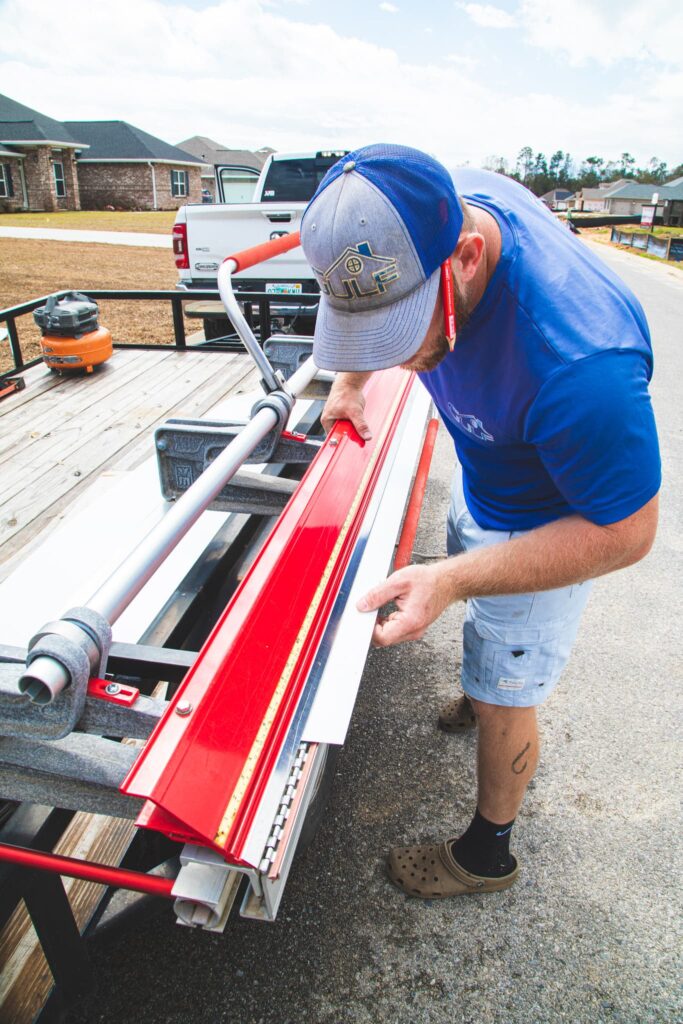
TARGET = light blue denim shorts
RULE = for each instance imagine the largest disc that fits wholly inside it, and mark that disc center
(514, 647)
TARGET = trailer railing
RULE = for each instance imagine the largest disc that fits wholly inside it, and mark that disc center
(258, 312)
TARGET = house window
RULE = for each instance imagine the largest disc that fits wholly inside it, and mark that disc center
(58, 170)
(4, 191)
(179, 183)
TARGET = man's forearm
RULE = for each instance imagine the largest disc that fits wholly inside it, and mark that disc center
(568, 551)
(346, 401)
(354, 381)
(559, 554)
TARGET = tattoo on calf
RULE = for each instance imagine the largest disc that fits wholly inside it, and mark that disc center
(515, 765)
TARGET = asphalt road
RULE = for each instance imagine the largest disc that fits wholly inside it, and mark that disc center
(591, 933)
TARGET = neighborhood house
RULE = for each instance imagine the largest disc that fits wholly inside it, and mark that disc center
(73, 165)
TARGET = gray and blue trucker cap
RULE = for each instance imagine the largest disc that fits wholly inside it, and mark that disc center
(383, 220)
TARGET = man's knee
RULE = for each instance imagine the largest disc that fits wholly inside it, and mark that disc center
(500, 712)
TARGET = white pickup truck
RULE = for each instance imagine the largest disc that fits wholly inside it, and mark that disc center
(204, 234)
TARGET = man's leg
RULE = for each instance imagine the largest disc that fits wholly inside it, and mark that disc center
(507, 758)
(514, 650)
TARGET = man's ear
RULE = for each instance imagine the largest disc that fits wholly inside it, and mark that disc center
(469, 252)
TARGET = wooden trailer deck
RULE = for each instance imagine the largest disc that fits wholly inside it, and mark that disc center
(58, 437)
(61, 433)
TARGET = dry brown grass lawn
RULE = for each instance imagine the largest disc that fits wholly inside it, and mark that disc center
(154, 221)
(30, 269)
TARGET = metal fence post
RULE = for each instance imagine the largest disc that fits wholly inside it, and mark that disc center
(14, 343)
(178, 323)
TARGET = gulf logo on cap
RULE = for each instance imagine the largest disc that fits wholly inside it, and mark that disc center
(359, 273)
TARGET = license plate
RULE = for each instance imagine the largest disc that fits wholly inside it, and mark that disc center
(281, 288)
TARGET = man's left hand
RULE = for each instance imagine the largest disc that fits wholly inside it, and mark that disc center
(420, 593)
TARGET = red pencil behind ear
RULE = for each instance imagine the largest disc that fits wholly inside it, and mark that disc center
(448, 302)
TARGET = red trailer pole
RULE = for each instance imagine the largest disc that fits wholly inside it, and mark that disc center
(120, 878)
(407, 538)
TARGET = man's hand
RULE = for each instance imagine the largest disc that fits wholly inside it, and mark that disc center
(420, 594)
(346, 401)
(559, 554)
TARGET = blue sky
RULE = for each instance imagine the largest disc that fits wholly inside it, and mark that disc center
(462, 80)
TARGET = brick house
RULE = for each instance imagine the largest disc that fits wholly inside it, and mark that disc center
(55, 165)
(37, 161)
(126, 167)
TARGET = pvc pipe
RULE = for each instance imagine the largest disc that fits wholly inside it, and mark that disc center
(46, 677)
(127, 581)
(225, 271)
(120, 878)
(265, 251)
(43, 680)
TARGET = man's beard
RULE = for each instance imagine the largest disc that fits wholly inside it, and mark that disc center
(423, 362)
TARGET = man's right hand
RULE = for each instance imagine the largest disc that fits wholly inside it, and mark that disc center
(347, 402)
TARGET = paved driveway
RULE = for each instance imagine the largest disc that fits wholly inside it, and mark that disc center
(104, 237)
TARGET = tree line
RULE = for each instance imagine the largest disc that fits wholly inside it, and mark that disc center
(542, 174)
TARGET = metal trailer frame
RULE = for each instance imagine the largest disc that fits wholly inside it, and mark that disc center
(205, 885)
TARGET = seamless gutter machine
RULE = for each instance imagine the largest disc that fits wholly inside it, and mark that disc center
(233, 761)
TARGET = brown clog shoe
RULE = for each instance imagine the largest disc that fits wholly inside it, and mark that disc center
(432, 873)
(457, 715)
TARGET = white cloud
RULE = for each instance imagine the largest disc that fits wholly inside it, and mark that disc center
(489, 16)
(243, 73)
(388, 8)
(588, 30)
(463, 61)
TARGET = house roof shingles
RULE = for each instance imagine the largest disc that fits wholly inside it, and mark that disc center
(210, 152)
(118, 140)
(19, 123)
(633, 190)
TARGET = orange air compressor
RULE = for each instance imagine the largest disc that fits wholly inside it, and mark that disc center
(72, 338)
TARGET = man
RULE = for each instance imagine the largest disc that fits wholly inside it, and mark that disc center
(544, 392)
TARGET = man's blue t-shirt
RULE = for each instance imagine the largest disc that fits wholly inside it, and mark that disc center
(545, 393)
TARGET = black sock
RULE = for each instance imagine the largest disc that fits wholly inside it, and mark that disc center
(484, 849)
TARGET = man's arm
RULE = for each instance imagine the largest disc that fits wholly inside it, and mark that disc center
(559, 554)
(346, 401)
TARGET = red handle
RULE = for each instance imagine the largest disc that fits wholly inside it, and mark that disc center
(407, 538)
(265, 251)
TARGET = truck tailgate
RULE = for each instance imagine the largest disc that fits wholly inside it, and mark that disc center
(216, 231)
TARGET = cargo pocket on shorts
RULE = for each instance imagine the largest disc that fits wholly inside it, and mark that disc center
(519, 668)
(476, 655)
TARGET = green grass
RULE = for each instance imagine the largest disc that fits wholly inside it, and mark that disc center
(676, 264)
(660, 231)
(154, 221)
